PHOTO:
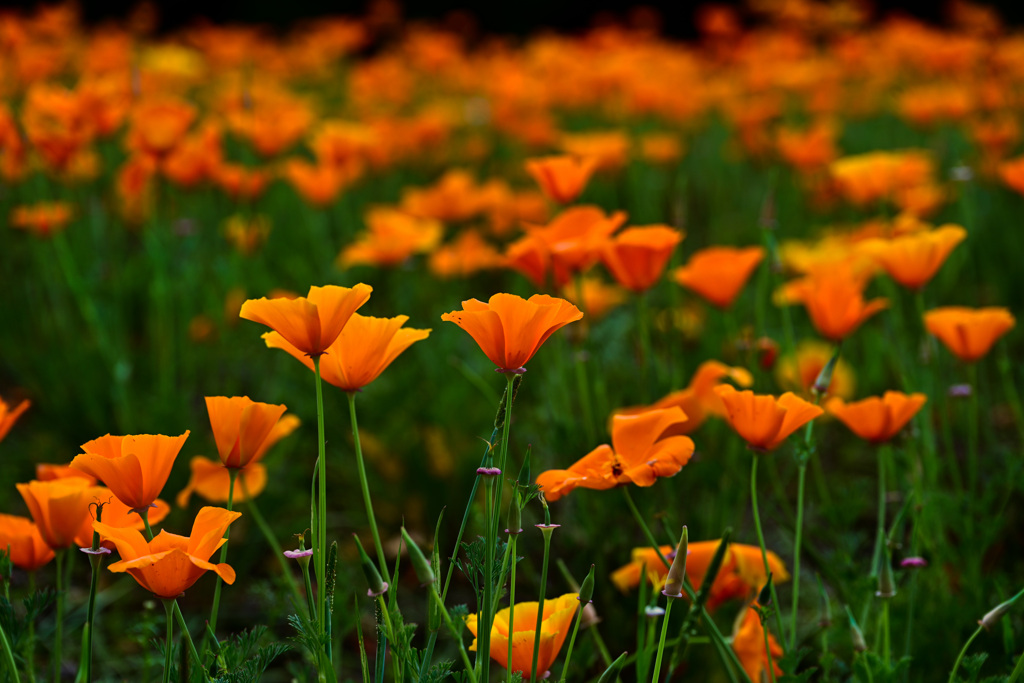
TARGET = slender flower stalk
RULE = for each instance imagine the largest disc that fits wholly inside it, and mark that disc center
(454, 631)
(232, 476)
(188, 637)
(320, 523)
(760, 540)
(512, 540)
(95, 553)
(169, 640)
(5, 644)
(268, 534)
(963, 651)
(547, 528)
(58, 634)
(365, 486)
(884, 455)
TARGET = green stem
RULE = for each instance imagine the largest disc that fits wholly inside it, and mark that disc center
(188, 638)
(58, 636)
(455, 633)
(320, 547)
(801, 476)
(168, 642)
(365, 486)
(275, 547)
(483, 656)
(540, 603)
(768, 652)
(1018, 670)
(30, 642)
(389, 631)
(232, 476)
(513, 538)
(144, 513)
(8, 655)
(884, 453)
(960, 657)
(973, 432)
(760, 539)
(661, 642)
(572, 641)
(96, 561)
(886, 640)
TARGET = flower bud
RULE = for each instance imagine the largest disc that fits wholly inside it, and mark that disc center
(856, 635)
(377, 585)
(677, 572)
(886, 581)
(764, 598)
(424, 572)
(990, 619)
(824, 379)
(587, 589)
(515, 517)
(612, 672)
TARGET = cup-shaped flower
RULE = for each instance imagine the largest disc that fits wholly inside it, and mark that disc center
(115, 514)
(510, 329)
(240, 426)
(21, 535)
(637, 256)
(135, 467)
(877, 419)
(168, 565)
(718, 273)
(8, 416)
(58, 508)
(969, 333)
(748, 642)
(561, 178)
(835, 301)
(912, 260)
(764, 421)
(310, 323)
(363, 350)
(212, 482)
(645, 446)
(556, 620)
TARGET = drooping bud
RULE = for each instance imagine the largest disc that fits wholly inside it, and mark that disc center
(764, 598)
(990, 619)
(856, 635)
(377, 585)
(424, 572)
(587, 589)
(677, 572)
(886, 581)
(824, 379)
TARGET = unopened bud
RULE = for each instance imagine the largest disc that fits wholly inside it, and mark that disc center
(764, 598)
(377, 585)
(515, 517)
(677, 572)
(587, 589)
(424, 572)
(886, 581)
(856, 635)
(824, 379)
(990, 619)
(524, 470)
(612, 672)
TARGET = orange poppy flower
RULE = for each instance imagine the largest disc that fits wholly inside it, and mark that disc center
(310, 323)
(9, 416)
(134, 467)
(764, 422)
(645, 446)
(609, 148)
(393, 236)
(637, 256)
(58, 508)
(749, 645)
(363, 350)
(969, 333)
(510, 329)
(49, 471)
(1012, 174)
(241, 183)
(835, 302)
(912, 260)
(798, 373)
(21, 536)
(719, 273)
(598, 297)
(240, 426)
(469, 253)
(319, 184)
(116, 514)
(168, 565)
(556, 621)
(699, 400)
(561, 178)
(158, 125)
(42, 220)
(877, 419)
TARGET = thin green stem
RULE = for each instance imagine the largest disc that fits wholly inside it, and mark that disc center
(768, 652)
(572, 640)
(760, 540)
(275, 547)
(320, 542)
(484, 629)
(884, 453)
(960, 657)
(29, 652)
(96, 562)
(8, 655)
(540, 602)
(455, 633)
(389, 631)
(886, 639)
(801, 476)
(58, 634)
(661, 641)
(232, 476)
(365, 486)
(513, 538)
(144, 513)
(1018, 670)
(188, 638)
(168, 641)
(973, 436)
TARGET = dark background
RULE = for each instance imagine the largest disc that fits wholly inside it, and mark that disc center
(515, 17)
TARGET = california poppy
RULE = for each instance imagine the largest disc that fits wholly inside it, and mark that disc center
(240, 426)
(42, 220)
(363, 350)
(598, 297)
(556, 620)
(310, 323)
(116, 514)
(21, 536)
(637, 256)
(748, 642)
(392, 237)
(46, 471)
(835, 302)
(969, 333)
(510, 329)
(58, 508)
(640, 453)
(168, 565)
(134, 467)
(912, 260)
(763, 421)
(8, 415)
(561, 178)
(877, 419)
(799, 372)
(466, 254)
(719, 273)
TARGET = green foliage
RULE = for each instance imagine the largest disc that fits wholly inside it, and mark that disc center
(17, 627)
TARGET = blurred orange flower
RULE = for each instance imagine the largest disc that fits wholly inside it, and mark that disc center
(912, 260)
(467, 254)
(969, 333)
(21, 536)
(877, 419)
(556, 619)
(561, 178)
(392, 237)
(598, 297)
(1012, 174)
(645, 446)
(58, 508)
(764, 421)
(134, 467)
(834, 300)
(44, 219)
(310, 323)
(9, 416)
(240, 427)
(159, 124)
(637, 256)
(510, 329)
(247, 233)
(363, 350)
(748, 642)
(168, 565)
(798, 373)
(719, 273)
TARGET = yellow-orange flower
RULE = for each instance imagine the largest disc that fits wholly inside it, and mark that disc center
(58, 508)
(645, 446)
(466, 254)
(310, 323)
(21, 536)
(556, 619)
(798, 373)
(135, 468)
(8, 415)
(561, 178)
(363, 350)
(748, 642)
(598, 297)
(969, 333)
(912, 260)
(168, 565)
(764, 422)
(241, 426)
(42, 220)
(719, 273)
(835, 302)
(212, 481)
(637, 256)
(877, 419)
(510, 329)
(393, 237)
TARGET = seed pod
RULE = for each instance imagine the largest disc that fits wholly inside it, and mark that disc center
(424, 572)
(677, 572)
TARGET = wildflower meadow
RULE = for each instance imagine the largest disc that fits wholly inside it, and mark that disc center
(380, 350)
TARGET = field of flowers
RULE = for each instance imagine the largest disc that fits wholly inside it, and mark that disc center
(737, 333)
